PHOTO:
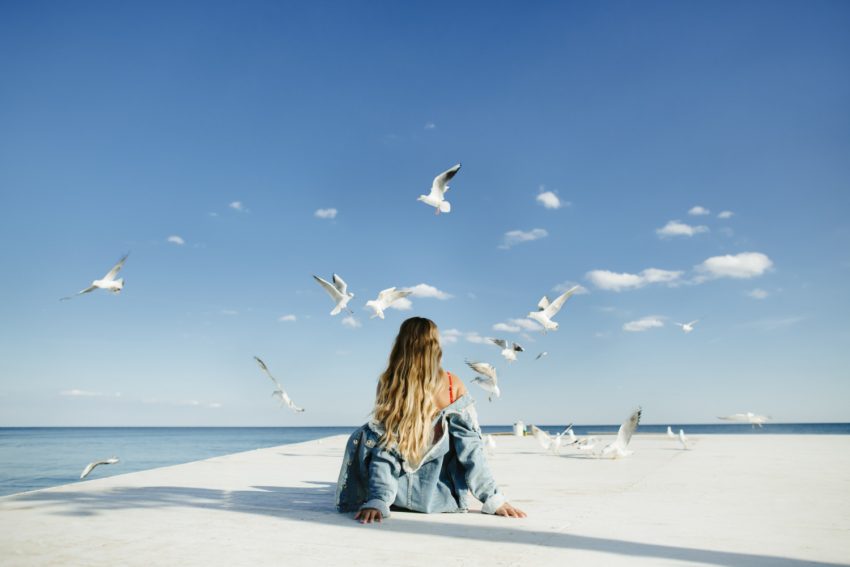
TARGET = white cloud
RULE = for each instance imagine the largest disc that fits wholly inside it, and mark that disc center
(237, 206)
(526, 324)
(758, 293)
(725, 215)
(742, 266)
(698, 211)
(425, 290)
(87, 394)
(449, 336)
(514, 237)
(549, 199)
(473, 337)
(567, 285)
(614, 281)
(325, 213)
(287, 318)
(676, 228)
(506, 328)
(174, 239)
(402, 304)
(430, 126)
(350, 321)
(643, 324)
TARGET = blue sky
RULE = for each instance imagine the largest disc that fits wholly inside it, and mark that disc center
(126, 124)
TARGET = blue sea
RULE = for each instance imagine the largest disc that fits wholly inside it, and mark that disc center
(39, 457)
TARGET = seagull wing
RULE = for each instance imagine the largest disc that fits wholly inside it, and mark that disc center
(89, 289)
(483, 368)
(110, 275)
(332, 290)
(284, 398)
(624, 435)
(518, 348)
(543, 303)
(502, 343)
(439, 184)
(265, 369)
(391, 295)
(340, 284)
(542, 437)
(692, 323)
(90, 467)
(556, 305)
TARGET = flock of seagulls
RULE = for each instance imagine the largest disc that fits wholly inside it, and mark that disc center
(616, 449)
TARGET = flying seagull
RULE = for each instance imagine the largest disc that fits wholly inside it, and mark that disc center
(683, 440)
(436, 198)
(386, 298)
(688, 327)
(550, 442)
(541, 355)
(584, 444)
(108, 282)
(90, 467)
(338, 292)
(546, 310)
(509, 350)
(488, 380)
(748, 417)
(624, 435)
(279, 392)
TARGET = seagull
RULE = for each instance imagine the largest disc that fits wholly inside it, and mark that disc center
(748, 417)
(509, 350)
(624, 435)
(670, 433)
(683, 440)
(436, 198)
(279, 392)
(541, 355)
(585, 444)
(688, 327)
(489, 382)
(386, 298)
(90, 467)
(550, 442)
(338, 292)
(490, 443)
(108, 282)
(546, 310)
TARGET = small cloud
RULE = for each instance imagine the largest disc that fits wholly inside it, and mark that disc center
(506, 328)
(698, 211)
(676, 228)
(325, 213)
(745, 265)
(601, 335)
(214, 215)
(473, 337)
(613, 281)
(725, 215)
(550, 200)
(351, 322)
(450, 336)
(430, 126)
(774, 324)
(567, 285)
(402, 304)
(214, 405)
(726, 231)
(514, 237)
(87, 394)
(425, 290)
(237, 206)
(526, 324)
(287, 318)
(229, 312)
(174, 239)
(758, 293)
(471, 295)
(644, 324)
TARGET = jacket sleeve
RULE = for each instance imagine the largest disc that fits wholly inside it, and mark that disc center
(466, 435)
(384, 470)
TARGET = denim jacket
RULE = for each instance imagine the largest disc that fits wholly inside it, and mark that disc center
(378, 477)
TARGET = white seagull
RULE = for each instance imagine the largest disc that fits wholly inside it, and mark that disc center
(509, 350)
(436, 198)
(546, 310)
(550, 442)
(490, 443)
(688, 327)
(338, 292)
(386, 298)
(108, 282)
(670, 433)
(489, 382)
(748, 417)
(585, 444)
(90, 467)
(541, 355)
(624, 435)
(683, 440)
(279, 392)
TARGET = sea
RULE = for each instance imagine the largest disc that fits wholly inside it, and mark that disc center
(32, 458)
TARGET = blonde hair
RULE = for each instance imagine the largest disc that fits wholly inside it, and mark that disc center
(404, 403)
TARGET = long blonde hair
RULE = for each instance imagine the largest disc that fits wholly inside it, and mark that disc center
(404, 403)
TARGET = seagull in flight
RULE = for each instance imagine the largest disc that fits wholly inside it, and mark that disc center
(90, 467)
(748, 417)
(107, 282)
(624, 435)
(541, 355)
(386, 298)
(688, 327)
(279, 392)
(546, 310)
(436, 198)
(488, 380)
(583, 444)
(338, 292)
(509, 350)
(550, 442)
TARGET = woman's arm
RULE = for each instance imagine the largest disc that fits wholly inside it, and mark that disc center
(384, 469)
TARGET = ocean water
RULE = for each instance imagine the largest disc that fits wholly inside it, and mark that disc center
(39, 457)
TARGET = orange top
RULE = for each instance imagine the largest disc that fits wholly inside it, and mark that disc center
(451, 389)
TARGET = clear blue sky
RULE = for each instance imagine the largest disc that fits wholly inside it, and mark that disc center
(123, 124)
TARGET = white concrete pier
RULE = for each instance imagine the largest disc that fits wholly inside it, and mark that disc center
(777, 500)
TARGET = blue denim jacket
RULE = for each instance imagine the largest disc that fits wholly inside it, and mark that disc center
(377, 477)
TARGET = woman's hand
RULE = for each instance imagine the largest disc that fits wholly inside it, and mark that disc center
(509, 511)
(368, 515)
